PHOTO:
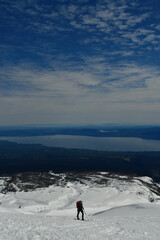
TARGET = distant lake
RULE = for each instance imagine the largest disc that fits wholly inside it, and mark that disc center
(92, 143)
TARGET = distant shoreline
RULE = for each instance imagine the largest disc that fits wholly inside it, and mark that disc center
(144, 132)
(122, 144)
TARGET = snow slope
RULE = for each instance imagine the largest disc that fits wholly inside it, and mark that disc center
(118, 210)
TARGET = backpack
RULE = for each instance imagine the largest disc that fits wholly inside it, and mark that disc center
(79, 204)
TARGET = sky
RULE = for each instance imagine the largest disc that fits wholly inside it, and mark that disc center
(79, 62)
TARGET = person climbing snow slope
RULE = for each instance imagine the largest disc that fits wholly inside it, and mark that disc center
(80, 208)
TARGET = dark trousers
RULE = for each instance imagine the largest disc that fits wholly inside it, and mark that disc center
(78, 211)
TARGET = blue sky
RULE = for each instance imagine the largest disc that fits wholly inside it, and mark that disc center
(79, 62)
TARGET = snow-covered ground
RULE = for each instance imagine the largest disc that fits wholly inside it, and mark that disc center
(118, 210)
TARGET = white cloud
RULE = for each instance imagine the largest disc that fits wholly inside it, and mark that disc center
(113, 21)
(94, 76)
(96, 91)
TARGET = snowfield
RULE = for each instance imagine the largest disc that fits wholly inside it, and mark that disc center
(120, 209)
